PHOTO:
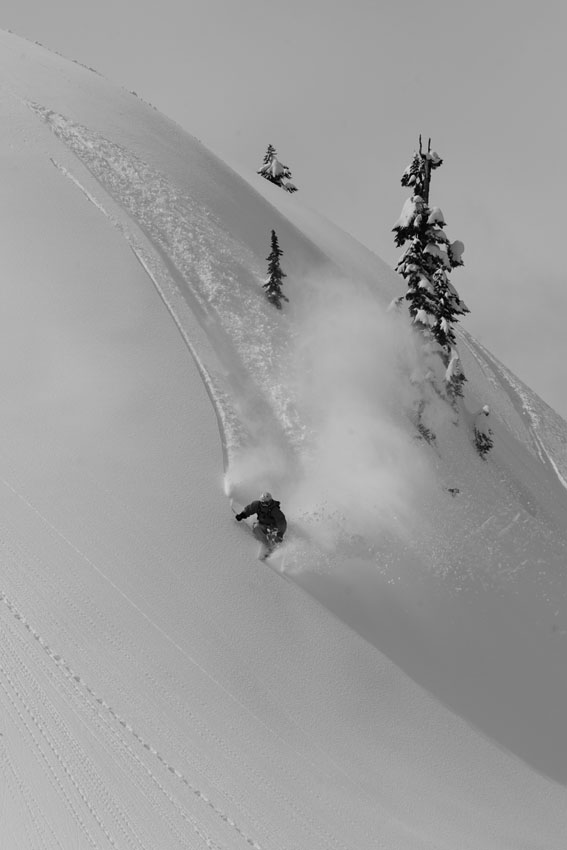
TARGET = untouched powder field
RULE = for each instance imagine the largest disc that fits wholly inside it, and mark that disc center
(397, 678)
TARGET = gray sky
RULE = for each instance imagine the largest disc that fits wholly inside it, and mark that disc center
(343, 89)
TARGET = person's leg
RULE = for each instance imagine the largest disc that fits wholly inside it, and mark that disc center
(260, 532)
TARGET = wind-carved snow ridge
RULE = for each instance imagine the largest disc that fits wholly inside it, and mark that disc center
(200, 257)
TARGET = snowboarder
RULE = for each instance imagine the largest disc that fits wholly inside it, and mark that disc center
(271, 523)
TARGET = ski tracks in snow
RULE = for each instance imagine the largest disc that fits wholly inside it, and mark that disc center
(35, 715)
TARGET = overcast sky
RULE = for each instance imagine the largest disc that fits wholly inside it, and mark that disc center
(343, 89)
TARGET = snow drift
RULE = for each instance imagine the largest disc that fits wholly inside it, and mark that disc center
(159, 687)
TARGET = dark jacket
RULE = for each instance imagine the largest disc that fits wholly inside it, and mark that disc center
(269, 515)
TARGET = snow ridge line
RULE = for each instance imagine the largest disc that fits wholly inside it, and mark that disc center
(71, 674)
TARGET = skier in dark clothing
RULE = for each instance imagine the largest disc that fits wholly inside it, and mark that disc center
(271, 523)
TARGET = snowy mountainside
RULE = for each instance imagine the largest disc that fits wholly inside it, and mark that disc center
(160, 687)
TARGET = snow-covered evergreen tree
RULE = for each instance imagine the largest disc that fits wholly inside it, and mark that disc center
(273, 284)
(483, 432)
(269, 155)
(274, 171)
(434, 303)
(454, 376)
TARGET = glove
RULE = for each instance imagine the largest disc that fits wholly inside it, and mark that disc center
(239, 517)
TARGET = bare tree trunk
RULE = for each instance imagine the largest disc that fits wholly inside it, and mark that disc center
(427, 176)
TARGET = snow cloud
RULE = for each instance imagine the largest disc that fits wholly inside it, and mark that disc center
(362, 472)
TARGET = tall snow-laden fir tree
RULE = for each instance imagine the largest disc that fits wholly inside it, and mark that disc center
(274, 171)
(434, 303)
(273, 284)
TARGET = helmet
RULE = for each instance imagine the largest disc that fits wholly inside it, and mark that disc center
(266, 497)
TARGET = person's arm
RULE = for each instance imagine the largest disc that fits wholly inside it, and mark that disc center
(281, 523)
(250, 509)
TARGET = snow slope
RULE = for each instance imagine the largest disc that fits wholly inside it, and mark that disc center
(160, 688)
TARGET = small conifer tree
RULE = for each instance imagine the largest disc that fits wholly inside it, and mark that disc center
(273, 284)
(274, 171)
(268, 156)
(483, 432)
(454, 376)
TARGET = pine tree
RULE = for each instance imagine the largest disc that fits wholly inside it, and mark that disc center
(434, 303)
(483, 432)
(273, 284)
(269, 155)
(274, 171)
(454, 376)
